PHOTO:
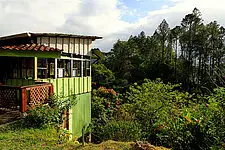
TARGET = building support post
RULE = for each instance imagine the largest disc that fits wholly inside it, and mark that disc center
(35, 68)
(56, 70)
(23, 100)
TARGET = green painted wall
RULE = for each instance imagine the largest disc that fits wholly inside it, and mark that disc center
(62, 86)
(20, 82)
(80, 115)
(70, 86)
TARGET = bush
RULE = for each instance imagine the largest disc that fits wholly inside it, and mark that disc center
(42, 116)
(49, 113)
(175, 119)
(105, 106)
(197, 127)
(151, 101)
(162, 115)
(125, 131)
(102, 75)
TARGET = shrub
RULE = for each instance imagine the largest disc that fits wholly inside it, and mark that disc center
(151, 101)
(197, 127)
(42, 116)
(175, 119)
(102, 75)
(50, 112)
(125, 131)
(105, 106)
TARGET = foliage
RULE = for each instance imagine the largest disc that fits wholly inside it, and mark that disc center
(41, 116)
(187, 114)
(49, 113)
(121, 131)
(175, 119)
(153, 100)
(101, 75)
(191, 53)
(199, 127)
(105, 106)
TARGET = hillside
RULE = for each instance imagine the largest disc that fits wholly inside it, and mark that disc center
(18, 138)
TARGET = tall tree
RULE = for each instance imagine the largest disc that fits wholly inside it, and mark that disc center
(175, 33)
(162, 33)
(190, 25)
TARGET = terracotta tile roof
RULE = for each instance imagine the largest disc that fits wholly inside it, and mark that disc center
(30, 47)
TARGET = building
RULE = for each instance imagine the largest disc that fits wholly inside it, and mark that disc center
(34, 65)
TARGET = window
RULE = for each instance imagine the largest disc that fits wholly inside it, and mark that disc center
(42, 66)
(64, 68)
(86, 69)
(46, 68)
(76, 68)
(19, 68)
(27, 68)
(14, 67)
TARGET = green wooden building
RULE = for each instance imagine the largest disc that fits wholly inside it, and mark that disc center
(28, 60)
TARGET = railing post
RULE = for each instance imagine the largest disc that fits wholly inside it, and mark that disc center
(51, 90)
(24, 100)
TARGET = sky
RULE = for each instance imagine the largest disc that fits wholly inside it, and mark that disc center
(111, 19)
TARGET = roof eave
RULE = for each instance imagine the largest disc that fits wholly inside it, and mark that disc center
(20, 35)
(30, 34)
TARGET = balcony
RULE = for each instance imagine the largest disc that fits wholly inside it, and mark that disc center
(22, 97)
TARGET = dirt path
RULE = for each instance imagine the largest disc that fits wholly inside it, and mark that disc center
(7, 115)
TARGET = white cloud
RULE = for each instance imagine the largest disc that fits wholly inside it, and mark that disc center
(165, 6)
(97, 17)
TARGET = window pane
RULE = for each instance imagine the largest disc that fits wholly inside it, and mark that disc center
(84, 69)
(46, 68)
(51, 68)
(27, 68)
(60, 63)
(42, 68)
(42, 63)
(88, 68)
(67, 66)
(64, 68)
(76, 68)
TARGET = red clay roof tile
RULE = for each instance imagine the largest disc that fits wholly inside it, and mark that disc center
(35, 47)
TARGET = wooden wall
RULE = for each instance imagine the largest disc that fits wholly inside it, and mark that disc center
(79, 46)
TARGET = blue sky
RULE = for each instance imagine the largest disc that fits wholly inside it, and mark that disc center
(111, 19)
(142, 7)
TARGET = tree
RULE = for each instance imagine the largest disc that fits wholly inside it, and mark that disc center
(162, 33)
(190, 45)
(175, 33)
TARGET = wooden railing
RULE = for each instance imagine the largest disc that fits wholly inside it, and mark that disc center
(19, 97)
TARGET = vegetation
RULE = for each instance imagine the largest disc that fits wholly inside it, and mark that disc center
(47, 138)
(191, 54)
(49, 113)
(166, 89)
(169, 87)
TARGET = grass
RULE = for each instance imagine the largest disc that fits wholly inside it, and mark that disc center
(48, 139)
(14, 137)
(29, 139)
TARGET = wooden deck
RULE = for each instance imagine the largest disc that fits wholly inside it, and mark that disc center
(22, 97)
